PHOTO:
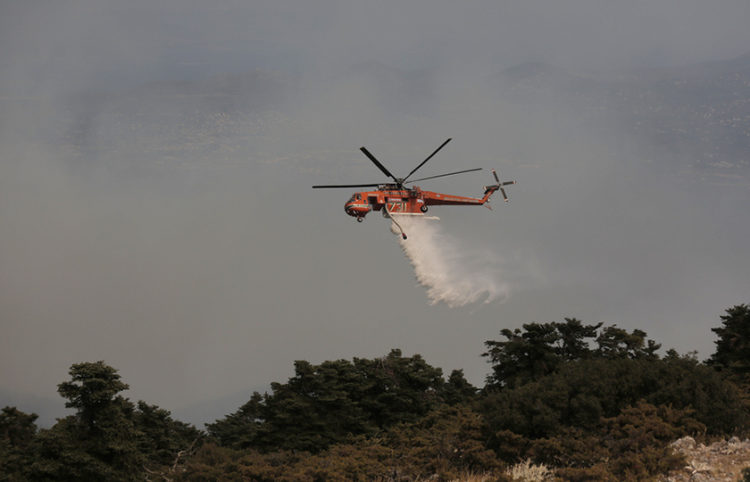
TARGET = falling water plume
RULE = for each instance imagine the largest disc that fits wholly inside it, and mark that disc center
(452, 273)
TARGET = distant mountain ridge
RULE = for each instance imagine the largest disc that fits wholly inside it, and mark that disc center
(695, 116)
(694, 119)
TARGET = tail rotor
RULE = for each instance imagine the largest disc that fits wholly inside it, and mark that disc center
(501, 184)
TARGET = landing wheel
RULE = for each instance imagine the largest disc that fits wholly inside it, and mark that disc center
(423, 208)
(360, 219)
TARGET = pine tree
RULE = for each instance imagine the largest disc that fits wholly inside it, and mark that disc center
(99, 442)
(733, 346)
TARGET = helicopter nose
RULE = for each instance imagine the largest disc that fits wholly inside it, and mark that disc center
(356, 210)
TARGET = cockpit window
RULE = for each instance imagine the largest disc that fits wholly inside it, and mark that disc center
(358, 196)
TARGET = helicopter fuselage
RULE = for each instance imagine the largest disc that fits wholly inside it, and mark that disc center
(412, 201)
(396, 198)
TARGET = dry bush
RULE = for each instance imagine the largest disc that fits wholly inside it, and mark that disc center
(527, 472)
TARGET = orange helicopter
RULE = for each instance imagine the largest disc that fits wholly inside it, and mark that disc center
(395, 199)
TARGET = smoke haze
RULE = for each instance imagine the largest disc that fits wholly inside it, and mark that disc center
(156, 160)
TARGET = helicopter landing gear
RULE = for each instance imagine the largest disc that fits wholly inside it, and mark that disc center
(423, 208)
(360, 219)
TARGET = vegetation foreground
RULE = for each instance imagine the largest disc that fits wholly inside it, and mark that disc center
(564, 401)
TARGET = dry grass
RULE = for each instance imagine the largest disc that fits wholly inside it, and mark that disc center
(527, 472)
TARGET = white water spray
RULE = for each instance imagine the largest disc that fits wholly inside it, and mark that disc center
(452, 274)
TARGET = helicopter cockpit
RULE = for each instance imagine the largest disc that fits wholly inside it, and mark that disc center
(357, 207)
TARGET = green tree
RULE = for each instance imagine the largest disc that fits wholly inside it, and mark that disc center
(583, 393)
(320, 405)
(99, 442)
(524, 356)
(17, 428)
(615, 342)
(685, 382)
(536, 351)
(92, 391)
(457, 389)
(324, 404)
(239, 430)
(160, 437)
(573, 339)
(17, 432)
(733, 346)
(399, 388)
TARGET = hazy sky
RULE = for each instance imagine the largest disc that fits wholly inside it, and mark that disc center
(202, 276)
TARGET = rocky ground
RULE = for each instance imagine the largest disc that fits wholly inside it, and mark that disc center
(719, 461)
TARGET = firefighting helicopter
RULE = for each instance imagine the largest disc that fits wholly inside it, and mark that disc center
(396, 199)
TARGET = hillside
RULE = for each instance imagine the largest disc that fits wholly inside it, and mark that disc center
(565, 401)
(719, 461)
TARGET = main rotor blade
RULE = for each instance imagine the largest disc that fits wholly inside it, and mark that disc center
(505, 196)
(377, 163)
(443, 175)
(428, 158)
(329, 186)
